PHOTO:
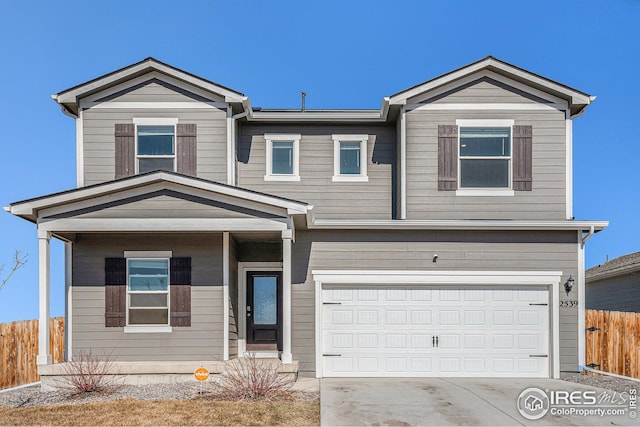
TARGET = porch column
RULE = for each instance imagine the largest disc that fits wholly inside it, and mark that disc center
(287, 357)
(44, 356)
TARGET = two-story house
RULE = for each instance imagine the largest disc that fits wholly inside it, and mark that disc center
(431, 237)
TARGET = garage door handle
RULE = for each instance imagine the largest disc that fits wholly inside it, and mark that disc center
(332, 355)
(538, 303)
(332, 303)
(538, 355)
(434, 341)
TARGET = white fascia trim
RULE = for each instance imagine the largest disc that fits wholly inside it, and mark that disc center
(472, 69)
(80, 148)
(243, 267)
(455, 225)
(149, 329)
(317, 116)
(149, 67)
(569, 170)
(486, 107)
(284, 137)
(364, 158)
(29, 207)
(159, 225)
(427, 277)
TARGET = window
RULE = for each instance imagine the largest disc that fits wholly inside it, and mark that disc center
(350, 158)
(282, 157)
(147, 291)
(155, 144)
(485, 155)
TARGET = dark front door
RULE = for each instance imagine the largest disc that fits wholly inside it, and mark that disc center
(264, 310)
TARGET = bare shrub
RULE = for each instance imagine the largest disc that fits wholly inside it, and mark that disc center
(252, 379)
(88, 373)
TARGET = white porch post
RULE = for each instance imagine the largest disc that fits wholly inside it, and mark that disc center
(287, 356)
(44, 356)
(225, 295)
(68, 302)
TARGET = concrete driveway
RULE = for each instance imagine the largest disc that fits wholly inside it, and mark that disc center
(459, 401)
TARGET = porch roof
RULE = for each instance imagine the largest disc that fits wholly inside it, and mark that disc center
(66, 208)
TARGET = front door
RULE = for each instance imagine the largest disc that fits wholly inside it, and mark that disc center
(264, 310)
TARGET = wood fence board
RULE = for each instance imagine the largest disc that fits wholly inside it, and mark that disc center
(19, 349)
(615, 345)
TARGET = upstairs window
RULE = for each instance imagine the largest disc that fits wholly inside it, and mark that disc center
(155, 148)
(350, 158)
(485, 157)
(282, 157)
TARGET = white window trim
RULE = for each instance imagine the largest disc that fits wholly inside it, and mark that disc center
(485, 191)
(362, 176)
(269, 139)
(147, 328)
(159, 121)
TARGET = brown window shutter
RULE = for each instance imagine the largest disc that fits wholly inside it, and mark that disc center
(180, 289)
(115, 280)
(522, 157)
(447, 157)
(125, 149)
(186, 149)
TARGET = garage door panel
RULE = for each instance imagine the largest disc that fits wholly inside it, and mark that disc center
(371, 330)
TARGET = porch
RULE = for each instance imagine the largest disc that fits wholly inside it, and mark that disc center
(226, 232)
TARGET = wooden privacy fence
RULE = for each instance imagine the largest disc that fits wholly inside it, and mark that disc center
(19, 348)
(613, 342)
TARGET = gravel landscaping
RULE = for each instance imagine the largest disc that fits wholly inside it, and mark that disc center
(33, 396)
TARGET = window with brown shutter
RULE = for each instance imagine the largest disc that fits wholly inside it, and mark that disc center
(447, 157)
(115, 272)
(180, 288)
(186, 149)
(522, 157)
(125, 149)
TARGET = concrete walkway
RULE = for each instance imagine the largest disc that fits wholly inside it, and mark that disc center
(447, 401)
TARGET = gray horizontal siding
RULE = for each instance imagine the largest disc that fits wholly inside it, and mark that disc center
(546, 201)
(99, 140)
(203, 340)
(620, 293)
(154, 91)
(371, 199)
(164, 207)
(480, 251)
(205, 250)
(484, 92)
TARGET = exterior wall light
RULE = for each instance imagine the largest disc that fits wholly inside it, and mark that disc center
(568, 285)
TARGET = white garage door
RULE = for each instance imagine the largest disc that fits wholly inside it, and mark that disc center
(404, 331)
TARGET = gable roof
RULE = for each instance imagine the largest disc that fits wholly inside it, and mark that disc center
(28, 209)
(69, 98)
(616, 267)
(577, 100)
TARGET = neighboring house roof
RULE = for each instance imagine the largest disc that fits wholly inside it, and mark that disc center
(616, 267)
(544, 89)
(28, 209)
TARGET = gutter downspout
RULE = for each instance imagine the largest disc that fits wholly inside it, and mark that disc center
(582, 339)
(233, 141)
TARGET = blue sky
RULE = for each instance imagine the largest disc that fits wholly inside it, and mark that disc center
(344, 54)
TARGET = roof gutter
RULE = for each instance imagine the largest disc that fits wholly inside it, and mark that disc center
(64, 109)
